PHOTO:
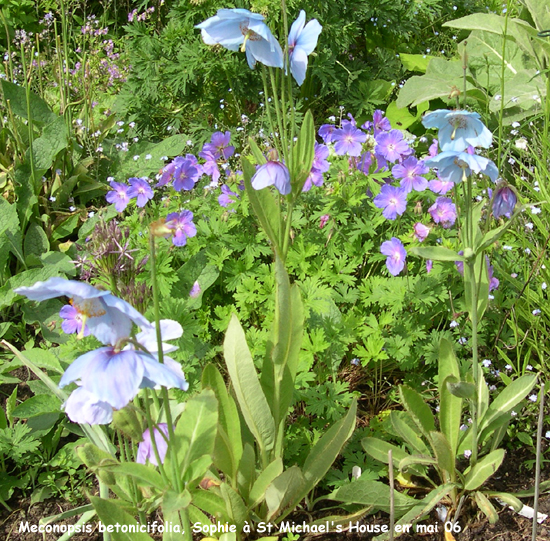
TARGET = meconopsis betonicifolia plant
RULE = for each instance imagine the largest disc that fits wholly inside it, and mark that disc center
(288, 164)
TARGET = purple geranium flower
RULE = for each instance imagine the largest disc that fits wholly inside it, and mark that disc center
(396, 253)
(326, 132)
(320, 158)
(443, 212)
(227, 196)
(458, 129)
(210, 166)
(421, 231)
(440, 186)
(272, 174)
(140, 189)
(302, 40)
(348, 140)
(432, 151)
(219, 145)
(379, 122)
(118, 196)
(239, 28)
(504, 202)
(393, 200)
(182, 226)
(107, 317)
(391, 146)
(410, 171)
(73, 321)
(183, 171)
(146, 452)
(314, 177)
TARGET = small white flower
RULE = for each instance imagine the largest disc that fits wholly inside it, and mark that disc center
(467, 453)
(497, 97)
(120, 123)
(533, 397)
(528, 367)
(492, 387)
(527, 251)
(463, 340)
(515, 124)
(72, 209)
(547, 435)
(463, 427)
(491, 297)
(521, 143)
(52, 198)
(120, 130)
(529, 226)
(453, 324)
(508, 367)
(486, 363)
(136, 158)
(99, 149)
(132, 124)
(514, 275)
(543, 285)
(91, 214)
(136, 139)
(535, 210)
(536, 312)
(513, 413)
(164, 158)
(148, 156)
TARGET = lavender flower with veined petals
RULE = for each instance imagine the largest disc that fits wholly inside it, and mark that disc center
(440, 186)
(421, 231)
(210, 166)
(182, 226)
(393, 200)
(219, 143)
(391, 146)
(348, 140)
(227, 196)
(326, 133)
(410, 171)
(432, 151)
(73, 321)
(429, 265)
(320, 158)
(396, 253)
(364, 163)
(272, 173)
(195, 290)
(140, 189)
(443, 212)
(504, 202)
(314, 178)
(379, 123)
(185, 176)
(118, 196)
(146, 451)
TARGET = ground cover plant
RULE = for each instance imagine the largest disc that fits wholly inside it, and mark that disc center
(254, 267)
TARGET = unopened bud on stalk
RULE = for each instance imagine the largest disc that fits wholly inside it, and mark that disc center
(159, 228)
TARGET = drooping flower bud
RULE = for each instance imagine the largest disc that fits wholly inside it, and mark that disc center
(504, 201)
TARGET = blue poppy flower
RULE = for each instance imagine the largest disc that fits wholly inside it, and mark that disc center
(114, 377)
(240, 28)
(452, 165)
(107, 317)
(83, 407)
(302, 41)
(458, 129)
(272, 174)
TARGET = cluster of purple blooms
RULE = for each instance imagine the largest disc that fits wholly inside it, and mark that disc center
(109, 377)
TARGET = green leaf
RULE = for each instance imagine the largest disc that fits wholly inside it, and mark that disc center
(210, 503)
(172, 502)
(228, 419)
(302, 154)
(486, 507)
(236, 509)
(283, 490)
(378, 449)
(256, 152)
(10, 235)
(244, 378)
(418, 409)
(443, 453)
(266, 207)
(416, 460)
(144, 475)
(508, 398)
(17, 96)
(482, 470)
(111, 515)
(258, 490)
(373, 493)
(435, 253)
(450, 407)
(36, 242)
(461, 389)
(54, 138)
(195, 432)
(508, 499)
(407, 432)
(415, 62)
(37, 405)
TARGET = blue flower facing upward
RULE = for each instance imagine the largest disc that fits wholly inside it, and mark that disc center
(240, 28)
(458, 129)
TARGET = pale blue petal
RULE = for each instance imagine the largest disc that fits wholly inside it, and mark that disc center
(309, 36)
(156, 373)
(59, 287)
(116, 380)
(85, 364)
(298, 65)
(83, 407)
(127, 309)
(250, 59)
(169, 330)
(296, 28)
(268, 53)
